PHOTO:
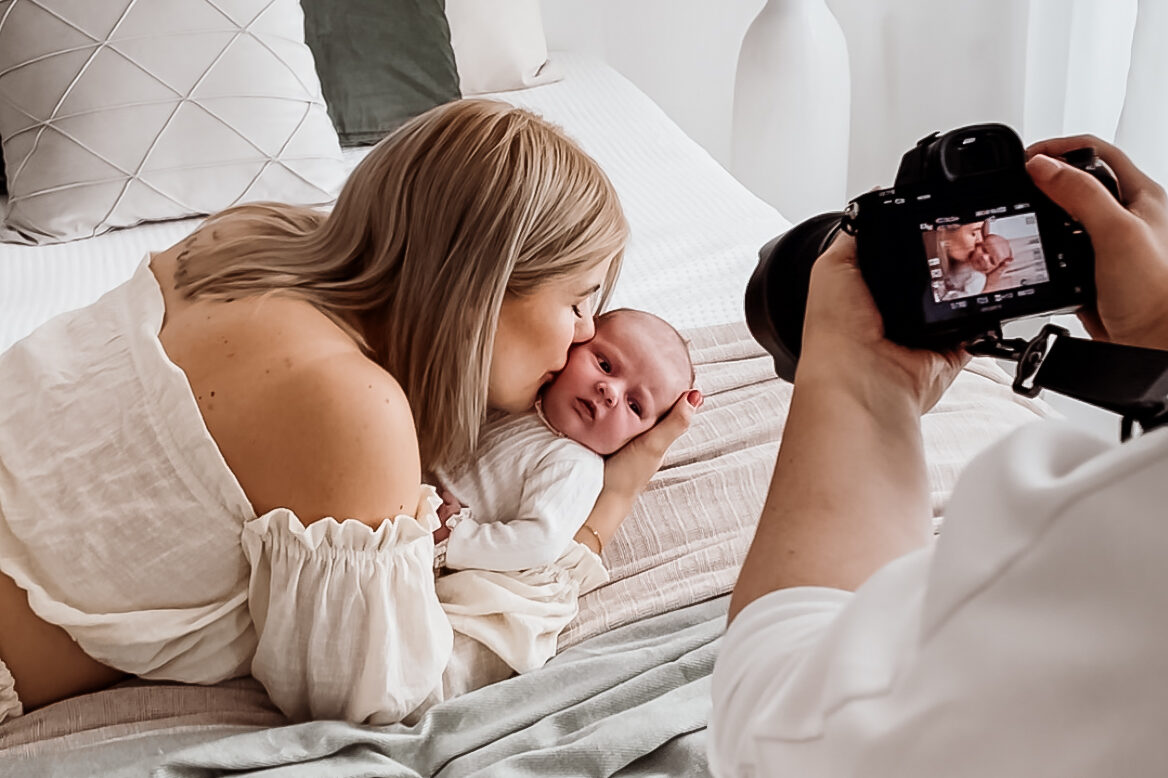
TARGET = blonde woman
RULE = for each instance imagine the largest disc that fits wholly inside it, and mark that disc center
(958, 245)
(216, 469)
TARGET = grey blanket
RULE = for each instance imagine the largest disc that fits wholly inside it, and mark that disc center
(631, 702)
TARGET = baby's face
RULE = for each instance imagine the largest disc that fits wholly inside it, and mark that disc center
(990, 254)
(616, 385)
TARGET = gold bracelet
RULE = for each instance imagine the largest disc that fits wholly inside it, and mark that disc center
(595, 534)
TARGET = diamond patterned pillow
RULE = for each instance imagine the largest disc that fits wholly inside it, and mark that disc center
(114, 112)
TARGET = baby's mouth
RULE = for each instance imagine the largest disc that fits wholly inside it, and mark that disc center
(587, 408)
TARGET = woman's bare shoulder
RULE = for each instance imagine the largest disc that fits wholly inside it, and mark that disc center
(304, 419)
(333, 436)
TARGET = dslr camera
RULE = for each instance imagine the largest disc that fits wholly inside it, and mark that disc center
(962, 242)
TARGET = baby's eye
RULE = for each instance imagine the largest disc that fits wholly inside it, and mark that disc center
(635, 407)
(603, 363)
(576, 310)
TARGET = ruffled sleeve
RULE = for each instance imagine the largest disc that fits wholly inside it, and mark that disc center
(348, 622)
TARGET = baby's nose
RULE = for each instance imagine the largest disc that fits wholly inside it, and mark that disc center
(607, 393)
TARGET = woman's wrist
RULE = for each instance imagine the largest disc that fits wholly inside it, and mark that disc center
(589, 536)
(609, 512)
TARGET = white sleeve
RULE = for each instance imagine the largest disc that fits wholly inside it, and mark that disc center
(1045, 589)
(348, 622)
(556, 499)
(792, 656)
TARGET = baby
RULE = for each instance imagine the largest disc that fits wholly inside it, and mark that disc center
(536, 476)
(517, 573)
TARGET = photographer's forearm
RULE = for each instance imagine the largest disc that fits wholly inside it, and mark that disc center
(849, 492)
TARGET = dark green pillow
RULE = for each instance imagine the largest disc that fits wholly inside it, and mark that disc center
(381, 62)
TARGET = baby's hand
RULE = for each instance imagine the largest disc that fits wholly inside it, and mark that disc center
(449, 507)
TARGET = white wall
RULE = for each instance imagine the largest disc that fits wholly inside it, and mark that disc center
(917, 66)
(682, 53)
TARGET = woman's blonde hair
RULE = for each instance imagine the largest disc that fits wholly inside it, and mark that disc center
(471, 201)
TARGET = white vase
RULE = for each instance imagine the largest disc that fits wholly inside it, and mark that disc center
(792, 106)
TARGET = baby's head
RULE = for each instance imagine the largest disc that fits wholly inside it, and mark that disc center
(991, 253)
(617, 385)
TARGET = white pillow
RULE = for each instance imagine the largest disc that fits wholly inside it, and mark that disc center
(499, 45)
(115, 112)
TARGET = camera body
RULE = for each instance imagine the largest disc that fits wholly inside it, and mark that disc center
(962, 242)
(952, 190)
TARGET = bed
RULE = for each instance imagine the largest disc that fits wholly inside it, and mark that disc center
(628, 693)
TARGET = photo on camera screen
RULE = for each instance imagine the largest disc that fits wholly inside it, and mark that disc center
(984, 256)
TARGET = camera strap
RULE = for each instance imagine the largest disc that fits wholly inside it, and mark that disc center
(1127, 380)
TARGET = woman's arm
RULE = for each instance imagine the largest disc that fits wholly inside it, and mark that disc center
(849, 492)
(627, 472)
(609, 512)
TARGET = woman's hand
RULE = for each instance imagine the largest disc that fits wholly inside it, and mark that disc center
(628, 471)
(843, 337)
(1131, 243)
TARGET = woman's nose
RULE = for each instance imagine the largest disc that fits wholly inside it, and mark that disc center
(585, 329)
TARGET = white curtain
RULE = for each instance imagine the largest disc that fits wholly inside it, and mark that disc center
(1044, 67)
(1143, 122)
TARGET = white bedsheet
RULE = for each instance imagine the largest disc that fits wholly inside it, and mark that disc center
(695, 229)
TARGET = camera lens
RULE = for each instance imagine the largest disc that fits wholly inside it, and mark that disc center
(776, 295)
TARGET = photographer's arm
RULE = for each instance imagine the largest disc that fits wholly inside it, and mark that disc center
(849, 492)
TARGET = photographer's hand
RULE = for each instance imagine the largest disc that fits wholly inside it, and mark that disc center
(843, 335)
(1131, 243)
(850, 491)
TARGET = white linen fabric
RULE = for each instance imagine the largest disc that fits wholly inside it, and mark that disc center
(519, 615)
(119, 112)
(1028, 641)
(527, 492)
(347, 619)
(499, 45)
(10, 706)
(178, 579)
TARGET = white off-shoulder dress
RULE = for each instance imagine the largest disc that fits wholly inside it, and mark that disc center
(122, 521)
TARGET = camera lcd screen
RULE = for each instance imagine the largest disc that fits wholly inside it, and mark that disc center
(990, 258)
